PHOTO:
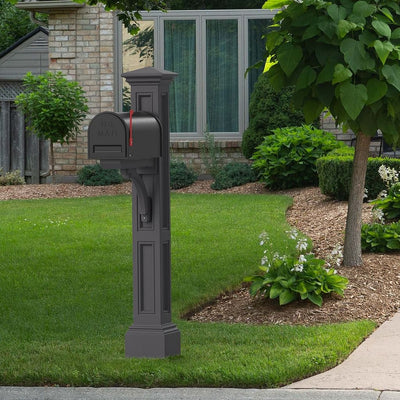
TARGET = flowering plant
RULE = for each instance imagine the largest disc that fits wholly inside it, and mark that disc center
(384, 235)
(387, 205)
(302, 277)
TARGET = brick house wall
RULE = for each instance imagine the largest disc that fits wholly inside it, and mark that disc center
(81, 46)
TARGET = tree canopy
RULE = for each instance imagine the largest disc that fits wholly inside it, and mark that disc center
(14, 24)
(342, 55)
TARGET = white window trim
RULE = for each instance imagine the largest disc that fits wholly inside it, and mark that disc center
(201, 16)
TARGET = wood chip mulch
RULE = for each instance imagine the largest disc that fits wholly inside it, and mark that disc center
(373, 292)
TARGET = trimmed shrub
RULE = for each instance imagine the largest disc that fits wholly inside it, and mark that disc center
(268, 110)
(288, 158)
(96, 175)
(180, 175)
(11, 178)
(335, 175)
(233, 174)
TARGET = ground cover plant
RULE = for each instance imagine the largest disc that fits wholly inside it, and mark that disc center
(66, 297)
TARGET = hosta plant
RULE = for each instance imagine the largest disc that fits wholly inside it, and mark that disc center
(303, 277)
(388, 202)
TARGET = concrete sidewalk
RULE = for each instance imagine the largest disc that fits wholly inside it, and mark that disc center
(372, 372)
(375, 364)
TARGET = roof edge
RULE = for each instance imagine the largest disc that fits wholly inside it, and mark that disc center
(21, 40)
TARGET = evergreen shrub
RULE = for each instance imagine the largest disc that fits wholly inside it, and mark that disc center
(96, 175)
(288, 158)
(233, 174)
(334, 173)
(180, 175)
(268, 110)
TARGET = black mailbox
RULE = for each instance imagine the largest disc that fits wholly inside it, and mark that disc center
(122, 136)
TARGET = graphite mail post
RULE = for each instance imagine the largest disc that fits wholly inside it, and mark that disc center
(137, 142)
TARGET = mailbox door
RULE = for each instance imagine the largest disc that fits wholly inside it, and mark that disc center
(107, 135)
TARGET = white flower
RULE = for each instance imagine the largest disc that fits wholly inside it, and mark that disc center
(389, 175)
(298, 268)
(293, 233)
(302, 245)
(378, 215)
(302, 259)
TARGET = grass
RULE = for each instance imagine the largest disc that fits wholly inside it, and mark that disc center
(66, 296)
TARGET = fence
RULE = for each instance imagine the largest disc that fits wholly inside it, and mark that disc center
(18, 149)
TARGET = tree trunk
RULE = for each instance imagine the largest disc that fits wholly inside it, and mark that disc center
(52, 161)
(352, 241)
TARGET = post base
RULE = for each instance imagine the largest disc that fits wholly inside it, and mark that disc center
(152, 342)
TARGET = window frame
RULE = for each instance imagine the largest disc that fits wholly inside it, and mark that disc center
(201, 16)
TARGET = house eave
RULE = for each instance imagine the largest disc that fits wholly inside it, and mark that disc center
(45, 6)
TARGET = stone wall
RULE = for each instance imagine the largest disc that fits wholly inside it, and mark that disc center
(81, 46)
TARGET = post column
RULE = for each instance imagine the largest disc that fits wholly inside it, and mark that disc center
(152, 333)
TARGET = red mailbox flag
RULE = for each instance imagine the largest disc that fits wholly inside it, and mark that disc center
(130, 128)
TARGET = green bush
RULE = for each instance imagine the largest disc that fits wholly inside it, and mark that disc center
(180, 175)
(379, 238)
(268, 110)
(96, 175)
(334, 175)
(11, 178)
(233, 174)
(288, 158)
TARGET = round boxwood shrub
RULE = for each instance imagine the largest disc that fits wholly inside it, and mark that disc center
(288, 158)
(233, 174)
(96, 175)
(268, 110)
(180, 175)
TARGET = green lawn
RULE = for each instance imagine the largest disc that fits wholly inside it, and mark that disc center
(66, 296)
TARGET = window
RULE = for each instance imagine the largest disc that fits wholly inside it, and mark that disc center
(211, 51)
(180, 57)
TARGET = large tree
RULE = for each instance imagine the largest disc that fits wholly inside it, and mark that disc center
(14, 24)
(342, 55)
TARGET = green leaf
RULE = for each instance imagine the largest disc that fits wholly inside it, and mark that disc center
(341, 73)
(355, 55)
(289, 57)
(368, 123)
(274, 39)
(310, 32)
(336, 13)
(326, 75)
(392, 75)
(396, 34)
(383, 49)
(276, 77)
(344, 27)
(387, 14)
(274, 4)
(275, 291)
(287, 296)
(363, 9)
(306, 77)
(382, 28)
(353, 98)
(315, 298)
(376, 89)
(312, 109)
